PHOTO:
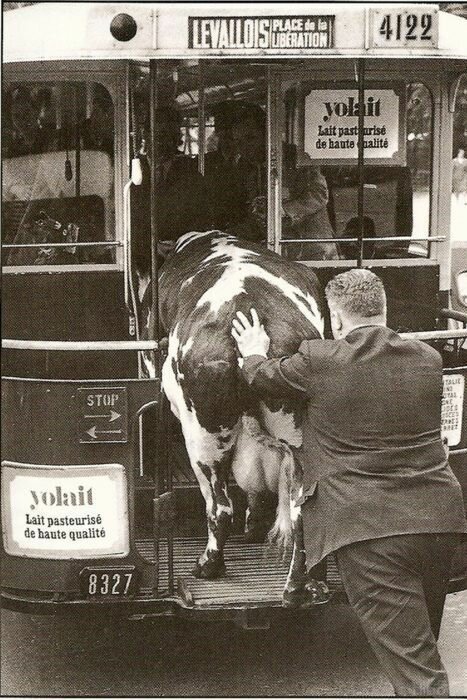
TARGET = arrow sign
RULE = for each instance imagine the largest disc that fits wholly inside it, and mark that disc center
(93, 432)
(113, 415)
(110, 404)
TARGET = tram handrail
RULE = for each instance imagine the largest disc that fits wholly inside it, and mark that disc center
(435, 335)
(454, 315)
(78, 244)
(79, 345)
(139, 345)
(368, 239)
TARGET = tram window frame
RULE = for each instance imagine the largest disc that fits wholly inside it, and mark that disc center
(112, 81)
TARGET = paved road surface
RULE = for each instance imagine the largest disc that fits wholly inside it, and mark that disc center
(324, 656)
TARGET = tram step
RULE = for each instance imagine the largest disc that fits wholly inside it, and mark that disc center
(255, 572)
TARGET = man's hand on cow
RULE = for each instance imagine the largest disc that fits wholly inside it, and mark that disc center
(251, 338)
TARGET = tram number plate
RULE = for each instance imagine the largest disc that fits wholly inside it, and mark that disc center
(407, 28)
(118, 582)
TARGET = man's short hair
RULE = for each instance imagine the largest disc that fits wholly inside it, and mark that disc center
(357, 293)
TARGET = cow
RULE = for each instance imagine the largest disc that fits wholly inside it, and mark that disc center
(42, 228)
(226, 427)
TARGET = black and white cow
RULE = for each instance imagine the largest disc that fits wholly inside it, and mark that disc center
(206, 280)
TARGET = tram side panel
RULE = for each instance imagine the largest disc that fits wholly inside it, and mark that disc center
(65, 306)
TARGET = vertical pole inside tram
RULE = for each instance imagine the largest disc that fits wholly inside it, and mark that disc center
(77, 145)
(201, 119)
(361, 157)
(154, 228)
(155, 328)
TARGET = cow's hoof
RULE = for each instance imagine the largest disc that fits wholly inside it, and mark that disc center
(254, 535)
(212, 568)
(314, 593)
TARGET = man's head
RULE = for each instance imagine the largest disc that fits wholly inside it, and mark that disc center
(249, 132)
(224, 114)
(355, 298)
(168, 132)
(24, 114)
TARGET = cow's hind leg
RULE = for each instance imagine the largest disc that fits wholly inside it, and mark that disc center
(302, 589)
(259, 516)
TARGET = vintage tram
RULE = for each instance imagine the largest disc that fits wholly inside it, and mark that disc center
(99, 509)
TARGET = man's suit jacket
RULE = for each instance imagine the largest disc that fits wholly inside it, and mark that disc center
(373, 460)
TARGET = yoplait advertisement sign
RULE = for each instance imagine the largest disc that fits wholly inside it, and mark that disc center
(61, 513)
(332, 131)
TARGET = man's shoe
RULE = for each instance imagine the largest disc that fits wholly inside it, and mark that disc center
(319, 591)
(313, 593)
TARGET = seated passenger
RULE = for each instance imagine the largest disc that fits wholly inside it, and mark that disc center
(350, 251)
(41, 228)
(181, 201)
(26, 135)
(97, 132)
(304, 189)
(225, 190)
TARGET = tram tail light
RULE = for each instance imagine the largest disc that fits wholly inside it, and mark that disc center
(123, 27)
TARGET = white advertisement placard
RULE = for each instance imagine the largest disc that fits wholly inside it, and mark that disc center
(331, 125)
(452, 408)
(64, 513)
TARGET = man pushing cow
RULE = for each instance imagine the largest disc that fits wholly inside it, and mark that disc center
(378, 490)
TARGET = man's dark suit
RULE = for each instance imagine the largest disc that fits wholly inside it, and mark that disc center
(376, 482)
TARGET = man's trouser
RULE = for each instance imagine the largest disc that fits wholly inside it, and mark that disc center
(397, 587)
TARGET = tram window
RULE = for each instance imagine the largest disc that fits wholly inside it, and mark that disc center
(233, 142)
(462, 287)
(321, 123)
(231, 195)
(58, 173)
(180, 196)
(459, 165)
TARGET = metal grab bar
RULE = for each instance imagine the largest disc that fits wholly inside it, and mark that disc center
(454, 315)
(80, 244)
(91, 345)
(79, 346)
(380, 239)
(126, 243)
(435, 335)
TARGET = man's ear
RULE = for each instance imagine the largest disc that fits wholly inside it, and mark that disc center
(336, 319)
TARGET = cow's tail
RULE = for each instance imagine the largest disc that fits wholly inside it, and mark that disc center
(281, 533)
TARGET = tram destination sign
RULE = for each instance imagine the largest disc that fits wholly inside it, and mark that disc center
(103, 414)
(286, 32)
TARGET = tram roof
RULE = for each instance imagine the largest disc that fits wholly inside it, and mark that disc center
(72, 30)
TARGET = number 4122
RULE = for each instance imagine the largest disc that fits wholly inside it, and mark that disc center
(410, 27)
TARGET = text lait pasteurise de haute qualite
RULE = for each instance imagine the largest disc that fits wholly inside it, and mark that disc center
(42, 527)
